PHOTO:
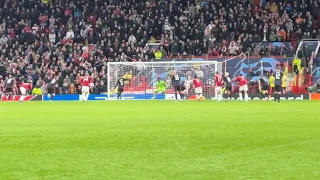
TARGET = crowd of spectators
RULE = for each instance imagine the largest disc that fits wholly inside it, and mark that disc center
(40, 39)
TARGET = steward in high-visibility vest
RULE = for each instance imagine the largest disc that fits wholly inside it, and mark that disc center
(158, 55)
(296, 65)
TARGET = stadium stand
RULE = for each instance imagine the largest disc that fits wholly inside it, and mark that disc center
(42, 38)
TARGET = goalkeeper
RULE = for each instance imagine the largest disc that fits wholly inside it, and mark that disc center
(161, 88)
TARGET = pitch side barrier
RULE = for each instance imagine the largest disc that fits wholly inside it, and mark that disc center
(104, 97)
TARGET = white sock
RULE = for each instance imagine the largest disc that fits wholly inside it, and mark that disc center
(83, 96)
(197, 96)
(246, 96)
(240, 96)
(87, 97)
(21, 97)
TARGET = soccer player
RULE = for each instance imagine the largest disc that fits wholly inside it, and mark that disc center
(218, 81)
(127, 76)
(227, 86)
(243, 87)
(175, 82)
(187, 87)
(263, 87)
(51, 87)
(161, 87)
(120, 85)
(86, 82)
(9, 87)
(271, 83)
(197, 84)
(183, 89)
(278, 85)
(284, 83)
(24, 88)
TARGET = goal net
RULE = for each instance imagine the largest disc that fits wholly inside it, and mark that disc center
(141, 78)
(307, 50)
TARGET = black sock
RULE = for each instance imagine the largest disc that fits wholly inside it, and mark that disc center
(279, 96)
(176, 95)
(275, 97)
(8, 97)
(181, 96)
(119, 94)
(51, 97)
(225, 96)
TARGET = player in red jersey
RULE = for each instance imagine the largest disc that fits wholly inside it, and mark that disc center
(86, 82)
(24, 87)
(218, 81)
(243, 87)
(197, 84)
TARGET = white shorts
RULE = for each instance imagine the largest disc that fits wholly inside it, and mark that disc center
(198, 90)
(85, 89)
(23, 90)
(218, 88)
(243, 88)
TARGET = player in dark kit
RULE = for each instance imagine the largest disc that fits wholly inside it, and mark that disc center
(278, 85)
(227, 86)
(51, 89)
(178, 87)
(120, 86)
(263, 87)
(9, 87)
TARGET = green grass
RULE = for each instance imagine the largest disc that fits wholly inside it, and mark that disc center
(124, 140)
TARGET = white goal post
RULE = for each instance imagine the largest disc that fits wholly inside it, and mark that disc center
(141, 78)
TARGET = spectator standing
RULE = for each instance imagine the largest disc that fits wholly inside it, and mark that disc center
(70, 34)
(233, 49)
(132, 40)
(52, 37)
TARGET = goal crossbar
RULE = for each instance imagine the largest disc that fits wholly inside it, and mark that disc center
(162, 62)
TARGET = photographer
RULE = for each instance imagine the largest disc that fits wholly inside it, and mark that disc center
(315, 88)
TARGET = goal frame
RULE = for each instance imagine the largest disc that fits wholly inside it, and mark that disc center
(109, 64)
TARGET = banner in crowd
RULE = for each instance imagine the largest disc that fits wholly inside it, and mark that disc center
(260, 44)
(17, 98)
(243, 65)
(252, 67)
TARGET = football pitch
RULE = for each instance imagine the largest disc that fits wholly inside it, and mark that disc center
(165, 140)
